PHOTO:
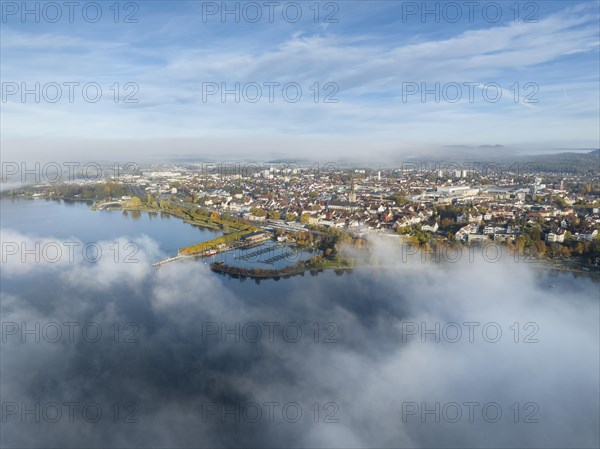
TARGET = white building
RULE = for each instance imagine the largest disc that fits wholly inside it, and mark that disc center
(551, 237)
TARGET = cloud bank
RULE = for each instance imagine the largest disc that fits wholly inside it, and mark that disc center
(367, 359)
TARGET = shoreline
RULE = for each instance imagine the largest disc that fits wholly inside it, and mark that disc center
(236, 272)
(566, 265)
(201, 224)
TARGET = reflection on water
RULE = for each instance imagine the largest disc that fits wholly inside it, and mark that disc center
(65, 220)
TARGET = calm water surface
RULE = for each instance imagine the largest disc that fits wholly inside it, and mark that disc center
(64, 220)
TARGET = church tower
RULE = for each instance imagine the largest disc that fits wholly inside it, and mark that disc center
(352, 196)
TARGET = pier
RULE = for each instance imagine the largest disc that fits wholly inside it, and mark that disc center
(109, 204)
(255, 253)
(170, 259)
(279, 257)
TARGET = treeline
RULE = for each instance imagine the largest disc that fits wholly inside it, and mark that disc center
(333, 239)
(588, 252)
(259, 272)
(198, 215)
(98, 192)
(320, 261)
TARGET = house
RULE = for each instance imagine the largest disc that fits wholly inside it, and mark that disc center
(339, 223)
(475, 218)
(589, 236)
(476, 237)
(464, 232)
(556, 237)
(489, 230)
(430, 228)
(251, 217)
(235, 206)
(341, 205)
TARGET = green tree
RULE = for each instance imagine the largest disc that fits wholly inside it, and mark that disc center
(258, 212)
(560, 202)
(135, 202)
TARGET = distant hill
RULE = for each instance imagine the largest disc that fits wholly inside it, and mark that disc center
(568, 162)
(564, 161)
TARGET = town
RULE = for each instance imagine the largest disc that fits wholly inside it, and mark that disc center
(540, 211)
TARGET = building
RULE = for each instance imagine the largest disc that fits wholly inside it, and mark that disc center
(342, 205)
(457, 191)
(556, 237)
(430, 228)
(551, 237)
(590, 236)
(476, 237)
(257, 236)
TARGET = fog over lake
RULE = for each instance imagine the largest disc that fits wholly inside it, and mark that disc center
(415, 355)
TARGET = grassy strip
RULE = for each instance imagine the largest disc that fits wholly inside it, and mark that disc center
(212, 244)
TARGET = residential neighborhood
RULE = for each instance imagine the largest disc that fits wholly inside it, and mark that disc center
(547, 212)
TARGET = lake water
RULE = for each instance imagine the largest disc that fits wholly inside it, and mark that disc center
(65, 220)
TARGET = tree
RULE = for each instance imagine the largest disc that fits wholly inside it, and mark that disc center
(540, 247)
(520, 242)
(304, 218)
(135, 202)
(258, 212)
(446, 222)
(563, 251)
(400, 200)
(534, 233)
(560, 202)
(404, 230)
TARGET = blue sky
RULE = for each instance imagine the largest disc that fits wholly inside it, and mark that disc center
(373, 53)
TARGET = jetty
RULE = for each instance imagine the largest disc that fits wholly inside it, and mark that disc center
(170, 259)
